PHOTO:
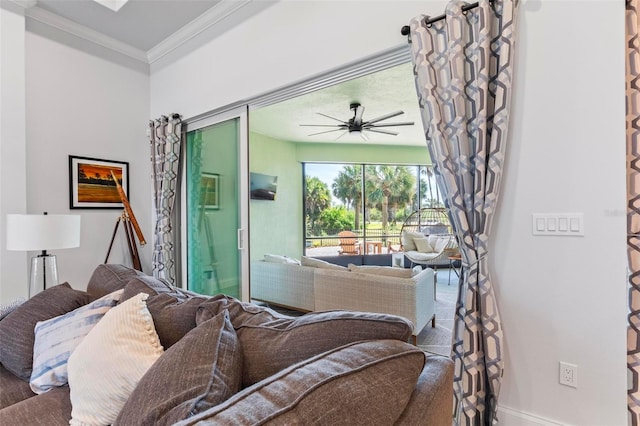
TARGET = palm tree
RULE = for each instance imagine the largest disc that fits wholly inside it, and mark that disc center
(317, 199)
(348, 188)
(393, 186)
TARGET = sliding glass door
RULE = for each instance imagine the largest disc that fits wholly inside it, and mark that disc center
(215, 200)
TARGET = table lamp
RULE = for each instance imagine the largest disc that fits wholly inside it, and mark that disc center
(26, 232)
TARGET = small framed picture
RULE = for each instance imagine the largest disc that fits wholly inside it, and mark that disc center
(210, 191)
(91, 184)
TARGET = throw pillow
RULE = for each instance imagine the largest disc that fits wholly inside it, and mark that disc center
(385, 271)
(422, 245)
(7, 309)
(108, 278)
(407, 240)
(107, 365)
(276, 258)
(56, 338)
(317, 263)
(364, 383)
(270, 347)
(199, 372)
(173, 313)
(17, 330)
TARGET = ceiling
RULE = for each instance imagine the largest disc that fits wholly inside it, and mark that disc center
(380, 93)
(148, 29)
(142, 24)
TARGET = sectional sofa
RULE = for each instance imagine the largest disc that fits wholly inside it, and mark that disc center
(315, 285)
(135, 351)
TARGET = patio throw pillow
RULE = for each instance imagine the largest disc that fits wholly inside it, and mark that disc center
(17, 330)
(407, 240)
(199, 372)
(422, 245)
(363, 383)
(317, 263)
(272, 346)
(110, 361)
(56, 338)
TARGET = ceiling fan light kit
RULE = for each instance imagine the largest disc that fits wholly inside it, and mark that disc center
(358, 126)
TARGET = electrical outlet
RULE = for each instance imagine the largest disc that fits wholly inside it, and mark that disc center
(568, 374)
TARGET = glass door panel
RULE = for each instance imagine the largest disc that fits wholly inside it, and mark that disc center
(213, 209)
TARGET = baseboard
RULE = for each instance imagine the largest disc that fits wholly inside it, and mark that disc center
(510, 417)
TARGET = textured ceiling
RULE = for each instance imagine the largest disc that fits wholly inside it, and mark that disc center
(380, 93)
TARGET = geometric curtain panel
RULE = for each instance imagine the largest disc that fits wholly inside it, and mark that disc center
(633, 206)
(463, 68)
(165, 136)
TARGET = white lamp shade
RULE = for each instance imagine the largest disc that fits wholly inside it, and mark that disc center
(42, 232)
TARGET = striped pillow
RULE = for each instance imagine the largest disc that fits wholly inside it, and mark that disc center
(6, 310)
(56, 339)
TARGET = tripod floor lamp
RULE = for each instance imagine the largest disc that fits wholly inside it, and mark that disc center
(28, 232)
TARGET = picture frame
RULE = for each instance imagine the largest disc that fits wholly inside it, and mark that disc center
(91, 185)
(210, 191)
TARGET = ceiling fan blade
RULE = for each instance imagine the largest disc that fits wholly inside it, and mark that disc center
(326, 131)
(386, 132)
(406, 123)
(342, 126)
(357, 117)
(333, 118)
(341, 135)
(384, 117)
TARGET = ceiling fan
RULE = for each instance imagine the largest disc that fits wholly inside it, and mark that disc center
(357, 125)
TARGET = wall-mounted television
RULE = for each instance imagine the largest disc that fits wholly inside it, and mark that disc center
(263, 187)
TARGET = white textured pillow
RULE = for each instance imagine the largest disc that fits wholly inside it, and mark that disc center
(422, 245)
(276, 258)
(318, 263)
(108, 364)
(407, 240)
(56, 339)
(386, 271)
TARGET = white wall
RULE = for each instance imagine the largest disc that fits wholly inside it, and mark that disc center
(81, 104)
(13, 198)
(561, 298)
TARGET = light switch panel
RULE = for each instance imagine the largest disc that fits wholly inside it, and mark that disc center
(563, 224)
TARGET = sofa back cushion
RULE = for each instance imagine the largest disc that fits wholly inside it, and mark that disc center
(17, 329)
(107, 278)
(322, 264)
(272, 346)
(360, 383)
(199, 372)
(383, 271)
(240, 313)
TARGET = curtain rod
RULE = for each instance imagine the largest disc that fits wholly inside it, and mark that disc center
(405, 30)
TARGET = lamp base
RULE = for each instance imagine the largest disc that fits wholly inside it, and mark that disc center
(44, 271)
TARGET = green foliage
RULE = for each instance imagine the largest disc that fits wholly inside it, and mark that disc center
(336, 219)
(317, 199)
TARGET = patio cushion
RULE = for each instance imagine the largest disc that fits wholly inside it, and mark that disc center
(416, 255)
(407, 240)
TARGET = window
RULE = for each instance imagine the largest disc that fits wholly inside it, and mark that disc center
(370, 200)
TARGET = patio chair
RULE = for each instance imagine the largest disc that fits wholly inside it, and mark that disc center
(349, 243)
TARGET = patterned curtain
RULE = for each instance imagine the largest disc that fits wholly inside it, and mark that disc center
(165, 135)
(463, 67)
(633, 207)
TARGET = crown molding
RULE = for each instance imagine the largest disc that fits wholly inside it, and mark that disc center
(81, 31)
(211, 17)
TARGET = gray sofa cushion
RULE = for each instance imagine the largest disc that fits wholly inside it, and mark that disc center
(361, 383)
(240, 312)
(272, 346)
(12, 389)
(107, 278)
(17, 329)
(52, 408)
(173, 313)
(197, 373)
